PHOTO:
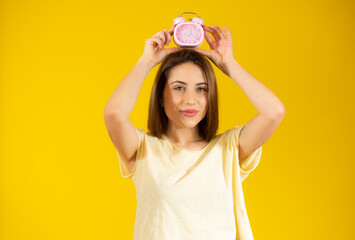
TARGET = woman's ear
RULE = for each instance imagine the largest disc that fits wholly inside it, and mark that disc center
(161, 103)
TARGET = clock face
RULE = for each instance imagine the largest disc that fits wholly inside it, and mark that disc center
(189, 33)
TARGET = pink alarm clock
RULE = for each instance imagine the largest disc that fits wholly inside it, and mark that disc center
(188, 34)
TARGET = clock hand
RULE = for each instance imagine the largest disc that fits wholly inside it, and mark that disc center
(191, 35)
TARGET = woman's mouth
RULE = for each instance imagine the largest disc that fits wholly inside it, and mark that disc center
(189, 112)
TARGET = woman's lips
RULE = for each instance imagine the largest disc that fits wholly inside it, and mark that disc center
(189, 112)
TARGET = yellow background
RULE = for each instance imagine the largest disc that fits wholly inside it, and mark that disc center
(61, 61)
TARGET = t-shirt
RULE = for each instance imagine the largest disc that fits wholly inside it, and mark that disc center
(187, 194)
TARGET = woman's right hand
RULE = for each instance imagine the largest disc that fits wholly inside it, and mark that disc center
(154, 51)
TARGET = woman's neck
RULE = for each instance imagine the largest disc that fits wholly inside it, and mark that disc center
(183, 136)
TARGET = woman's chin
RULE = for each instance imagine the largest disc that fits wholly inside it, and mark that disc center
(189, 124)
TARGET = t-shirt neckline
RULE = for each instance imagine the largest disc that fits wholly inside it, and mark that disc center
(183, 149)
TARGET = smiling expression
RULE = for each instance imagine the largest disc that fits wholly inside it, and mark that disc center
(185, 96)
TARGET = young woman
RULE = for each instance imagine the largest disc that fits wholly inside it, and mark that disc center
(187, 178)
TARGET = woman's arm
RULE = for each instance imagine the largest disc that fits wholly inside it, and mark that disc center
(221, 54)
(118, 108)
(271, 111)
(124, 97)
(121, 103)
(260, 96)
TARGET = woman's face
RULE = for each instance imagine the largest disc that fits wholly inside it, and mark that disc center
(185, 96)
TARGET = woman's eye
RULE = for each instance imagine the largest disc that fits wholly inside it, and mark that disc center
(202, 89)
(178, 88)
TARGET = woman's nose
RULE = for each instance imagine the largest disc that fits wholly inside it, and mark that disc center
(190, 98)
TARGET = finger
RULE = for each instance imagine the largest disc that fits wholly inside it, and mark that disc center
(170, 50)
(209, 39)
(167, 37)
(204, 52)
(171, 31)
(220, 31)
(229, 35)
(161, 35)
(213, 32)
(158, 41)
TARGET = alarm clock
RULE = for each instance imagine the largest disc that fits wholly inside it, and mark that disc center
(188, 34)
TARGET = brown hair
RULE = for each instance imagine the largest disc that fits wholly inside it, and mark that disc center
(157, 119)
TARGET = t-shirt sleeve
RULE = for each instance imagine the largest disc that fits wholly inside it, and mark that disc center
(125, 171)
(250, 163)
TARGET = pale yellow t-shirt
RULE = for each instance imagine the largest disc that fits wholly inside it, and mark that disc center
(190, 195)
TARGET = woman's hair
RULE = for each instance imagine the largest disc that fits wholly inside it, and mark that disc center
(157, 119)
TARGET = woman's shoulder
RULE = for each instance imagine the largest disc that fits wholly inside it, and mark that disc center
(145, 135)
(229, 134)
(228, 131)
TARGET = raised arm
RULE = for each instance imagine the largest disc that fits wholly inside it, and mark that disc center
(271, 111)
(121, 103)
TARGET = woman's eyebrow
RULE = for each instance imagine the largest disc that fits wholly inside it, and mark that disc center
(201, 83)
(179, 82)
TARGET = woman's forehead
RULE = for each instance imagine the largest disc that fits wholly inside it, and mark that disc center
(187, 72)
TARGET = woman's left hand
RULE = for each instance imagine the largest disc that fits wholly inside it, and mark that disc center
(221, 53)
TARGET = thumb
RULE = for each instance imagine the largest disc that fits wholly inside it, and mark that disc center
(170, 50)
(204, 52)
